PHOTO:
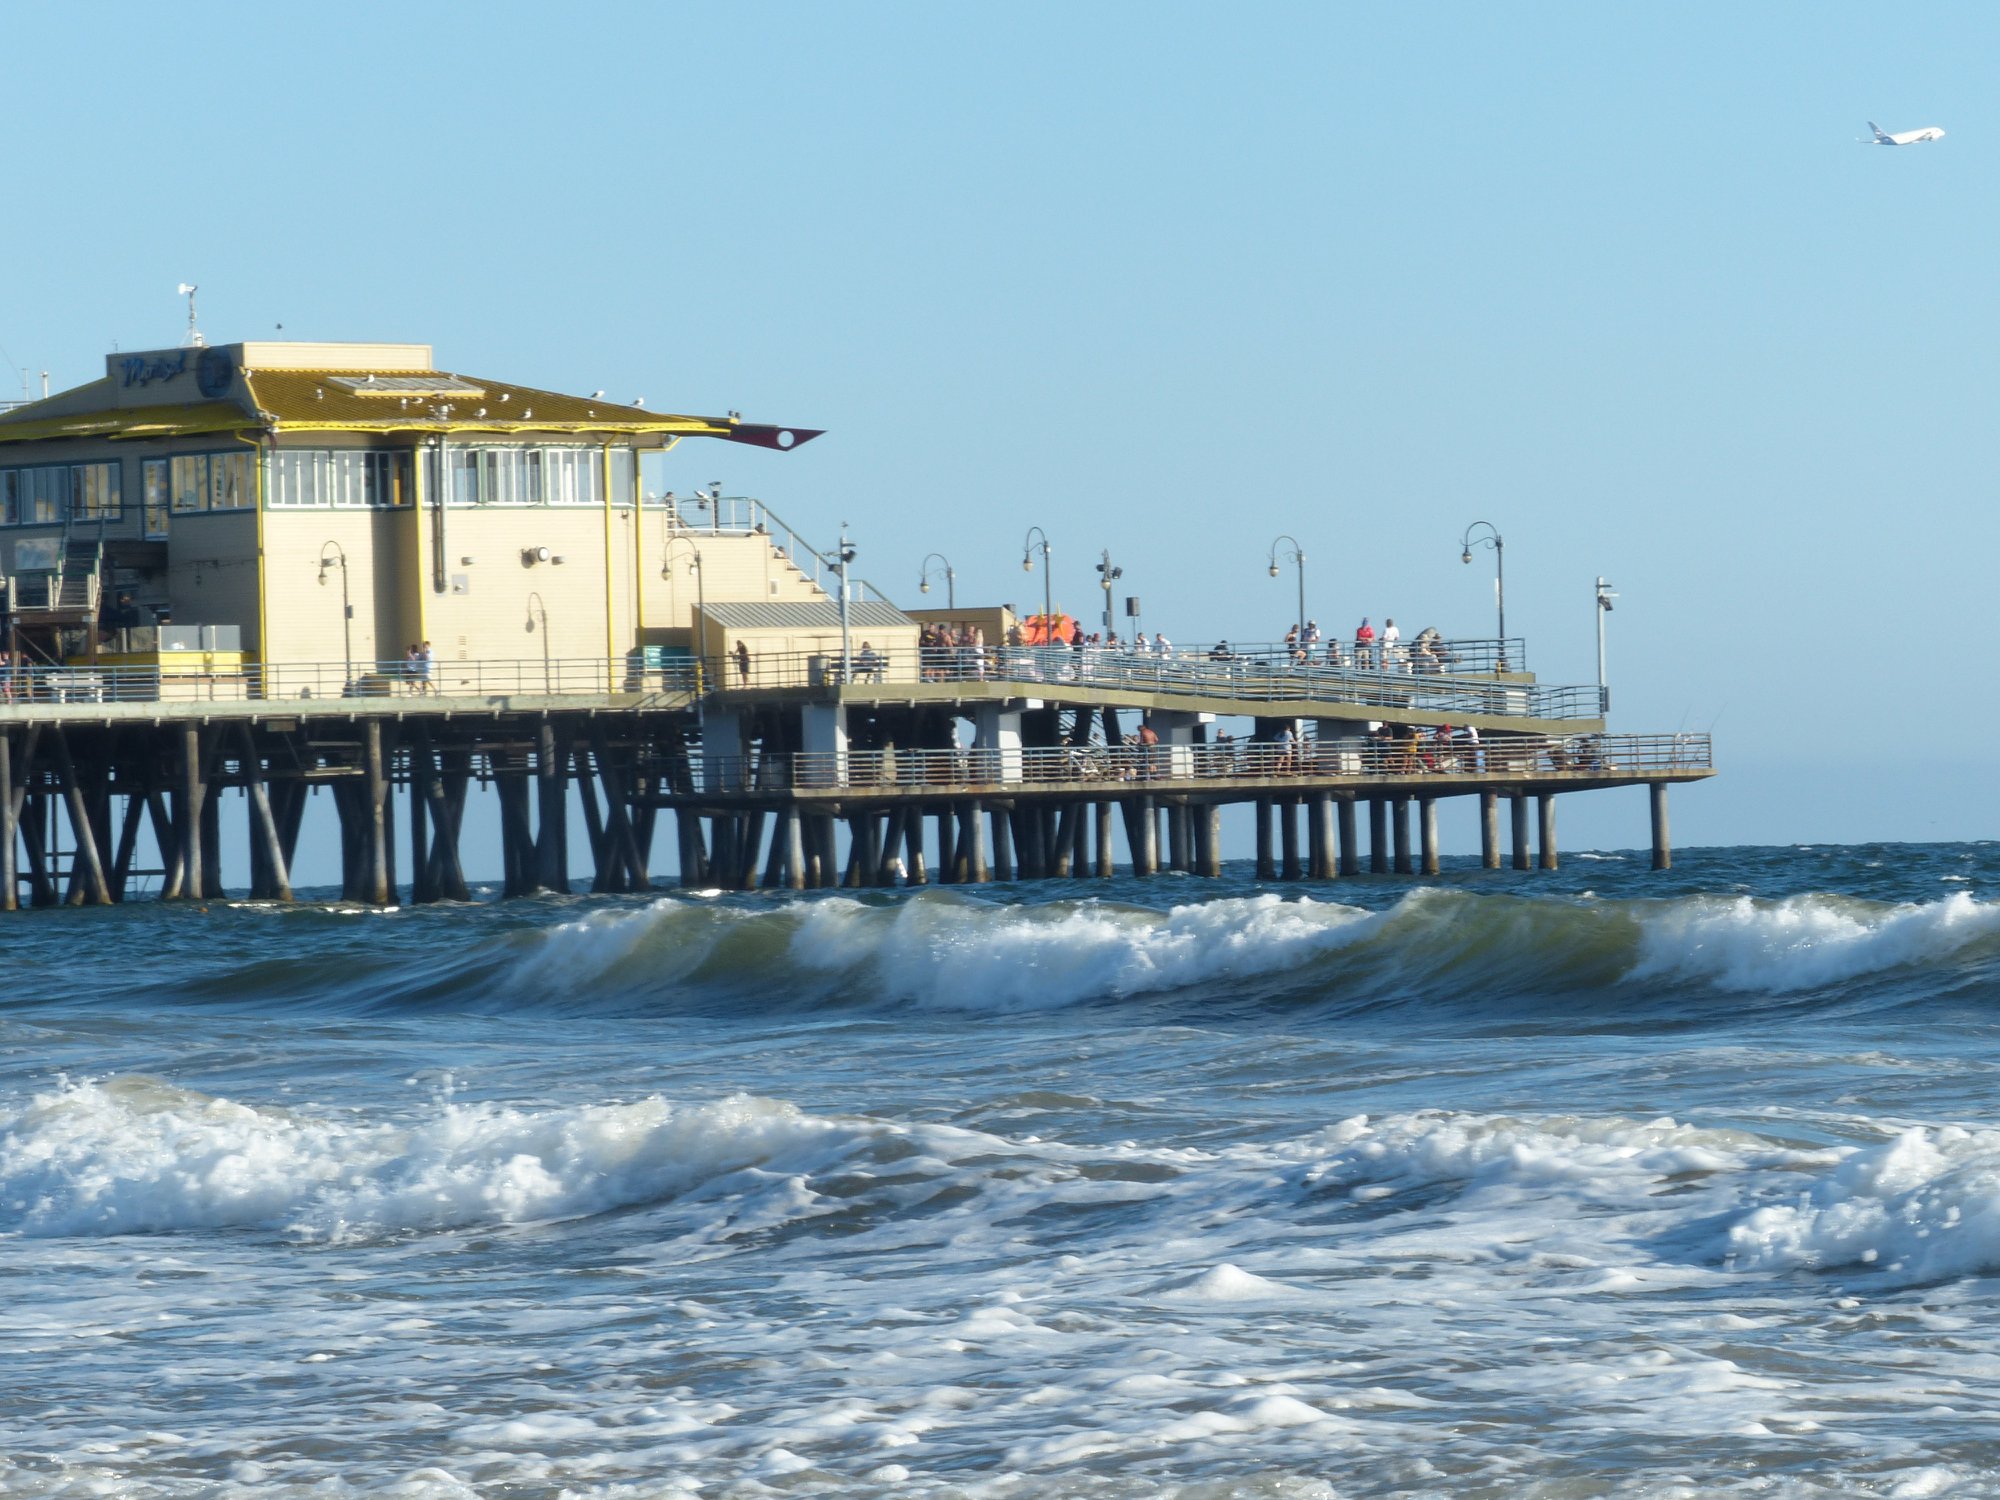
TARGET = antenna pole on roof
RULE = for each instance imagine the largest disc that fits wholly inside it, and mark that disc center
(194, 340)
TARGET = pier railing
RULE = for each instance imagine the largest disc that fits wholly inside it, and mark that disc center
(696, 516)
(1429, 656)
(1635, 756)
(1241, 675)
(196, 682)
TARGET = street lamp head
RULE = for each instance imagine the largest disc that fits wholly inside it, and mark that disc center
(1027, 563)
(1274, 570)
(1465, 556)
(322, 575)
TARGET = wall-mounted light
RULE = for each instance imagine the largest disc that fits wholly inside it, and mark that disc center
(532, 555)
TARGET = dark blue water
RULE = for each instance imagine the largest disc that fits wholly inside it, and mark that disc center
(1563, 1184)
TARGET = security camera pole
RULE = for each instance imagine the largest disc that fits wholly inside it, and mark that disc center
(1605, 594)
(1111, 574)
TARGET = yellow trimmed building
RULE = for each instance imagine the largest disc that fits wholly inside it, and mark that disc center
(314, 503)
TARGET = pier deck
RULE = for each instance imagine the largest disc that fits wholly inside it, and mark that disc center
(93, 760)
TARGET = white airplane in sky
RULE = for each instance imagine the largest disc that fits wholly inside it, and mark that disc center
(1906, 137)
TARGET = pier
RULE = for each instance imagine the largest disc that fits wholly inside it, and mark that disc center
(795, 785)
(286, 572)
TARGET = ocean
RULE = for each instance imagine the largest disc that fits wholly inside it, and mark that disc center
(1574, 1184)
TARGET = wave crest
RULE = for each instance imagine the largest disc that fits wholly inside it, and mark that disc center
(134, 1155)
(949, 950)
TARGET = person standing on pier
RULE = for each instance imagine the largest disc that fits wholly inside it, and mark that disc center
(1149, 743)
(743, 661)
(1392, 650)
(1364, 645)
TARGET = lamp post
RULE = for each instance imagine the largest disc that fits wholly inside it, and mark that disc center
(536, 606)
(1299, 557)
(1466, 543)
(1028, 566)
(950, 580)
(700, 599)
(1605, 594)
(339, 559)
(1109, 576)
(841, 559)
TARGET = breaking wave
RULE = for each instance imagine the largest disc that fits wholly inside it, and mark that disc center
(1578, 958)
(135, 1155)
(949, 951)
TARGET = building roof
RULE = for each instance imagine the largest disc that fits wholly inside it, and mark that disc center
(367, 388)
(816, 614)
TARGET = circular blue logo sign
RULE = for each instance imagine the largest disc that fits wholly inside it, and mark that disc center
(214, 372)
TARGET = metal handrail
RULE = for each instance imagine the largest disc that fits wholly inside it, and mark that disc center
(1237, 675)
(1527, 757)
(1427, 657)
(740, 515)
(197, 676)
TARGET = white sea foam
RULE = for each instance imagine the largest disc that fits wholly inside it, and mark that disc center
(1594, 1154)
(133, 1155)
(947, 953)
(1803, 942)
(1922, 1206)
(1354, 1290)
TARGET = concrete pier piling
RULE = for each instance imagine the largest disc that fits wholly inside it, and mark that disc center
(1663, 851)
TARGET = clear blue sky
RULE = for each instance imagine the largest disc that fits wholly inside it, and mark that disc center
(1171, 280)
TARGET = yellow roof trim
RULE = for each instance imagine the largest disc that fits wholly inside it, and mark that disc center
(136, 422)
(510, 429)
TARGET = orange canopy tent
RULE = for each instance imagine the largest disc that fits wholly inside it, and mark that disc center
(1036, 631)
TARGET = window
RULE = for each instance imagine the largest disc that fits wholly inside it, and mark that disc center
(232, 483)
(187, 481)
(47, 497)
(95, 491)
(348, 478)
(155, 491)
(34, 497)
(527, 476)
(575, 476)
(294, 479)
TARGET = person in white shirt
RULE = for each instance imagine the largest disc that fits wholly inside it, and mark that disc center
(1161, 645)
(1392, 650)
(1140, 643)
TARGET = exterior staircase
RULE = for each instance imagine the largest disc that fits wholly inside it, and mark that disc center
(71, 594)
